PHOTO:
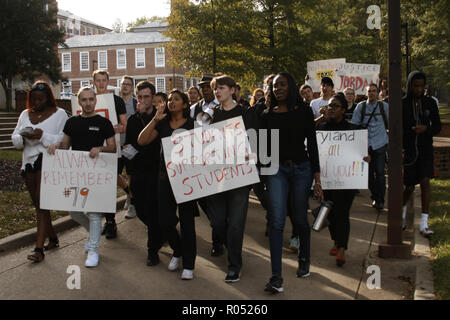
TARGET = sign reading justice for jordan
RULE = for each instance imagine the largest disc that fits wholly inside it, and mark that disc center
(209, 160)
(73, 181)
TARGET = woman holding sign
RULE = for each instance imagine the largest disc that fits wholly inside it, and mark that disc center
(339, 217)
(166, 120)
(39, 126)
(297, 168)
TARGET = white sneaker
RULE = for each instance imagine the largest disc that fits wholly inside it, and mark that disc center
(187, 274)
(92, 259)
(131, 212)
(426, 232)
(174, 263)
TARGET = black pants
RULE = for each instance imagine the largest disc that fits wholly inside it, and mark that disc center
(144, 187)
(185, 245)
(339, 216)
(217, 242)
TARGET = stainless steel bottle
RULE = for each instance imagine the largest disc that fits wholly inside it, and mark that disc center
(321, 218)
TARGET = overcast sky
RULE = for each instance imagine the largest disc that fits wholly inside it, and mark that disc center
(105, 12)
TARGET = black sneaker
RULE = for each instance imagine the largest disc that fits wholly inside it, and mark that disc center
(275, 285)
(152, 260)
(111, 230)
(232, 277)
(217, 251)
(303, 269)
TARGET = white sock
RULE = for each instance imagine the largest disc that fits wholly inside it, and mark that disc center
(404, 212)
(424, 223)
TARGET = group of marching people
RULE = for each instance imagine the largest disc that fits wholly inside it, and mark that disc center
(154, 116)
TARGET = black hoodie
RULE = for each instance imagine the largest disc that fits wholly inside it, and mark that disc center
(419, 145)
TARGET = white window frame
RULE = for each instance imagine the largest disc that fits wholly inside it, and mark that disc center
(84, 83)
(158, 89)
(69, 68)
(136, 58)
(163, 64)
(117, 59)
(81, 61)
(101, 66)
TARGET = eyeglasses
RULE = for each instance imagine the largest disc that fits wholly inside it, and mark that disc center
(39, 86)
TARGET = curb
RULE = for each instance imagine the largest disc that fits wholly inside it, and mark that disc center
(424, 283)
(27, 237)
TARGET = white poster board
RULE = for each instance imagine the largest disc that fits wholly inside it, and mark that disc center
(106, 108)
(357, 76)
(209, 160)
(341, 156)
(72, 181)
(322, 68)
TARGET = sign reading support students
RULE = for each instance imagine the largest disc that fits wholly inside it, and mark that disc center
(73, 181)
(209, 160)
(106, 108)
(341, 156)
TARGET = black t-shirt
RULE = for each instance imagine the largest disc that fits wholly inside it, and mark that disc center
(87, 133)
(249, 115)
(164, 130)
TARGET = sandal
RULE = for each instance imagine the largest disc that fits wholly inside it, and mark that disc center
(52, 244)
(340, 261)
(37, 256)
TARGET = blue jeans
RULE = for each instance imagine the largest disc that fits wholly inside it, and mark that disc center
(298, 181)
(92, 222)
(377, 179)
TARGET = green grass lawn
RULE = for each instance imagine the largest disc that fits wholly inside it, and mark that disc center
(11, 155)
(444, 113)
(440, 242)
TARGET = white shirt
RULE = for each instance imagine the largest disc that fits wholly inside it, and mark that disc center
(52, 129)
(316, 104)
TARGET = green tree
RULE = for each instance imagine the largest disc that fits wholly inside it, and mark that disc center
(28, 42)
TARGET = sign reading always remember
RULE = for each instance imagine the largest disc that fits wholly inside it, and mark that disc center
(209, 160)
(341, 156)
(106, 108)
(322, 68)
(73, 181)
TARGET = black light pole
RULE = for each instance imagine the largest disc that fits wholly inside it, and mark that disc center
(395, 248)
(407, 55)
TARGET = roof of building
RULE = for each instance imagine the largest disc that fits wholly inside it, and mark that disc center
(153, 24)
(115, 39)
(69, 15)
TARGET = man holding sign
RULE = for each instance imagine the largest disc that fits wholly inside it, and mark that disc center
(88, 132)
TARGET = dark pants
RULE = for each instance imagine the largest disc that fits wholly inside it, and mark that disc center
(377, 179)
(339, 216)
(144, 187)
(217, 242)
(185, 245)
(296, 180)
(228, 212)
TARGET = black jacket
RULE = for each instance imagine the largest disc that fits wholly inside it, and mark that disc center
(427, 114)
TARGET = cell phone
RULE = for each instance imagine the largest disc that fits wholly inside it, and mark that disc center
(26, 130)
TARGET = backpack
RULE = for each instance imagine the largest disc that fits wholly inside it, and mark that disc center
(383, 114)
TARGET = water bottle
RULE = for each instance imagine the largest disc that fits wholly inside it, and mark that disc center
(321, 218)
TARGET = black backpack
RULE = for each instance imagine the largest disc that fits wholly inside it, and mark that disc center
(383, 114)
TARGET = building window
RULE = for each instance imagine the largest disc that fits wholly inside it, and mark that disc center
(84, 61)
(121, 59)
(103, 60)
(160, 84)
(84, 83)
(84, 31)
(140, 58)
(66, 62)
(160, 57)
(67, 86)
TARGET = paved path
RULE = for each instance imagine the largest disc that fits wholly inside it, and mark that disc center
(123, 274)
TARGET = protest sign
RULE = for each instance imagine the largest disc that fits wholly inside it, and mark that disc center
(357, 76)
(73, 181)
(341, 156)
(209, 160)
(322, 68)
(106, 108)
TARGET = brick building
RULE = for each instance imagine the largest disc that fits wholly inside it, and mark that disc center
(140, 54)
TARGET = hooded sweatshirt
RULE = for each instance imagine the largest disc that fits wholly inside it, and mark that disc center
(424, 113)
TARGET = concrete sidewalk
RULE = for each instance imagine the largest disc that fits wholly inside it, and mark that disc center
(123, 274)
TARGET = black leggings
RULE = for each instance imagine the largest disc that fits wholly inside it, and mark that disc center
(339, 216)
(185, 245)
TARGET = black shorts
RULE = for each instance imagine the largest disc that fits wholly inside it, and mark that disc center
(422, 168)
(37, 166)
(123, 163)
